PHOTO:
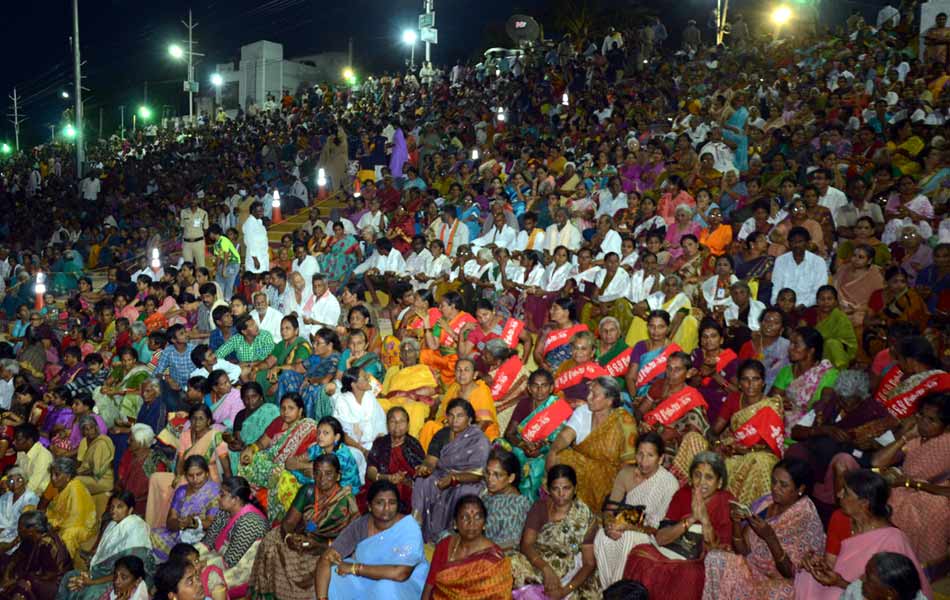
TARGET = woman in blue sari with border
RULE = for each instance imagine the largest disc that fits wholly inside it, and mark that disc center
(309, 377)
(734, 132)
(379, 555)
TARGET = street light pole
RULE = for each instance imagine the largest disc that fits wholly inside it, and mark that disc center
(77, 74)
(429, 7)
(191, 69)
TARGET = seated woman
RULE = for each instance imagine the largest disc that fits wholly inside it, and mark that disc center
(715, 369)
(140, 461)
(892, 573)
(557, 547)
(596, 441)
(896, 301)
(263, 463)
(573, 376)
(232, 540)
(769, 541)
(126, 535)
(673, 565)
(864, 500)
(35, 568)
(199, 440)
(634, 509)
(290, 350)
(507, 377)
(223, 399)
(118, 398)
(682, 326)
(441, 352)
(251, 422)
(918, 504)
(285, 564)
(96, 458)
(535, 424)
(128, 580)
(394, 457)
(855, 281)
(506, 507)
(468, 564)
(917, 372)
(309, 377)
(612, 351)
(411, 385)
(72, 512)
(194, 504)
(356, 354)
(807, 379)
(385, 550)
(841, 344)
(648, 358)
(356, 409)
(554, 342)
(474, 391)
(767, 345)
(453, 467)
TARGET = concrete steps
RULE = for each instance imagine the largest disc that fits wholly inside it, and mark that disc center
(294, 222)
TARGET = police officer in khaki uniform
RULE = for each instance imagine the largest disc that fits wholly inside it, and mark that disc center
(194, 223)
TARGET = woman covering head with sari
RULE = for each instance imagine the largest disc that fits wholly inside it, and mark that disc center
(596, 441)
(393, 457)
(264, 462)
(840, 342)
(72, 513)
(33, 571)
(96, 456)
(769, 540)
(379, 555)
(309, 377)
(285, 564)
(125, 535)
(453, 467)
(468, 564)
(807, 379)
(289, 351)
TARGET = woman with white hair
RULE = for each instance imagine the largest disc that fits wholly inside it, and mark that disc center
(142, 458)
(682, 225)
(15, 499)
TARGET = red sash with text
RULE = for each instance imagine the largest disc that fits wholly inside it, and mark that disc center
(449, 338)
(901, 406)
(577, 374)
(512, 332)
(505, 377)
(547, 421)
(726, 356)
(558, 338)
(655, 367)
(618, 365)
(674, 407)
(766, 426)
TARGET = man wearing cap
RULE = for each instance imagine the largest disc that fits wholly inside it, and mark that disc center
(194, 223)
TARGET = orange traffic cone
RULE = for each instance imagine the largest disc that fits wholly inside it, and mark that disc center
(275, 216)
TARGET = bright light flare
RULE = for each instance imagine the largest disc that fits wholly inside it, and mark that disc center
(176, 51)
(781, 15)
(217, 80)
(409, 37)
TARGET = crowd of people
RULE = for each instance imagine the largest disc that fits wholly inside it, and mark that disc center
(606, 319)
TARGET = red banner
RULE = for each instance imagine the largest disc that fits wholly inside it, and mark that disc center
(726, 356)
(889, 382)
(575, 375)
(505, 377)
(547, 421)
(558, 338)
(449, 338)
(767, 426)
(904, 405)
(620, 364)
(512, 332)
(655, 367)
(674, 407)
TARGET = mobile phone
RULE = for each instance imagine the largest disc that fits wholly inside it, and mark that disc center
(741, 508)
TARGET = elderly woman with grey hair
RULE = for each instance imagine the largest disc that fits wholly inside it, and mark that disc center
(850, 419)
(598, 439)
(15, 499)
(683, 224)
(34, 570)
(673, 567)
(72, 512)
(96, 456)
(143, 458)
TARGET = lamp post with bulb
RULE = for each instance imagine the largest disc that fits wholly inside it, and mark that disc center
(409, 37)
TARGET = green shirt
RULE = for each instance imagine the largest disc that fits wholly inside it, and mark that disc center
(225, 248)
(254, 352)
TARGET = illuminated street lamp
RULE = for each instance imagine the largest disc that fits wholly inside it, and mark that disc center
(5, 148)
(216, 80)
(69, 131)
(410, 37)
(781, 15)
(64, 94)
(176, 51)
(145, 113)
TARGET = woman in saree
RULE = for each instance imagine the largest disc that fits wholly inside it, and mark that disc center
(15, 499)
(199, 440)
(251, 422)
(855, 281)
(904, 148)
(700, 509)
(96, 456)
(895, 302)
(734, 132)
(476, 393)
(71, 513)
(507, 377)
(192, 509)
(359, 319)
(468, 564)
(422, 314)
(634, 508)
(767, 345)
(142, 458)
(33, 571)
(285, 565)
(648, 358)
(612, 352)
(506, 506)
(394, 457)
(807, 379)
(453, 467)
(689, 264)
(715, 369)
(222, 398)
(289, 351)
(798, 216)
(840, 342)
(597, 440)
(554, 341)
(118, 399)
(556, 557)
(863, 499)
(125, 535)
(681, 226)
(66, 272)
(411, 386)
(441, 352)
(231, 542)
(755, 439)
(716, 238)
(755, 265)
(310, 377)
(683, 327)
(384, 550)
(918, 504)
(264, 461)
(573, 376)
(769, 541)
(864, 229)
(341, 258)
(356, 356)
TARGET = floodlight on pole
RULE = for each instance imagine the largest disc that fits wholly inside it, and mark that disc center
(216, 80)
(69, 131)
(781, 15)
(64, 94)
(176, 51)
(5, 148)
(145, 113)
(409, 37)
(348, 74)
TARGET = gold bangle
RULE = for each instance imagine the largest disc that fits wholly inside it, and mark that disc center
(359, 568)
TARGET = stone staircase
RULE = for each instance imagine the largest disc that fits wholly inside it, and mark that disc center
(294, 222)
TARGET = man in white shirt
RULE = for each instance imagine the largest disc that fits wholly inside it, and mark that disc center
(440, 267)
(610, 240)
(325, 311)
(723, 156)
(453, 233)
(266, 316)
(257, 258)
(532, 236)
(299, 190)
(562, 233)
(206, 361)
(90, 187)
(500, 235)
(304, 263)
(9, 369)
(611, 200)
(740, 299)
(374, 218)
(799, 270)
(420, 258)
(32, 457)
(828, 196)
(380, 269)
(313, 223)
